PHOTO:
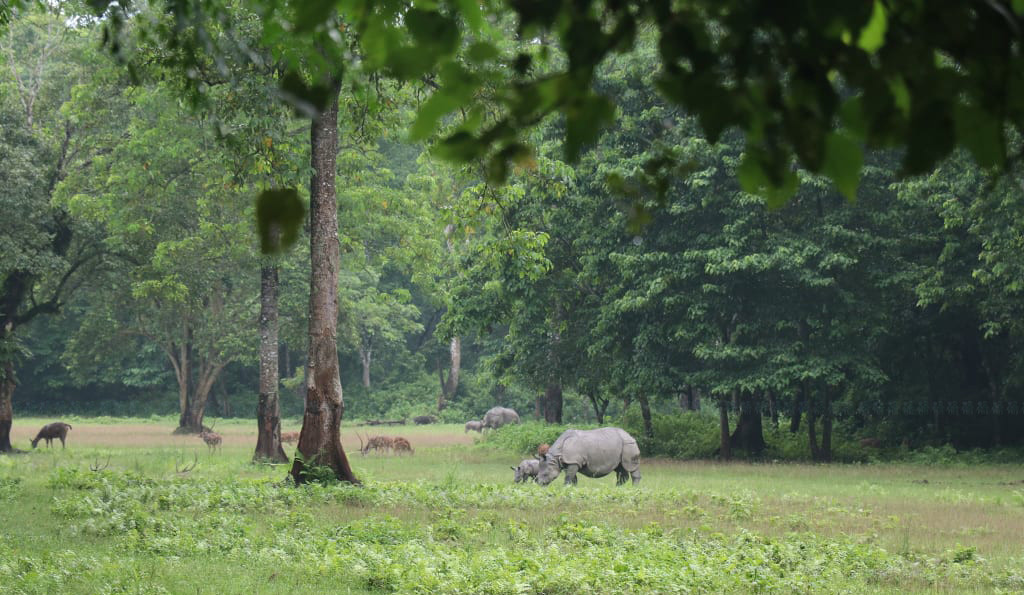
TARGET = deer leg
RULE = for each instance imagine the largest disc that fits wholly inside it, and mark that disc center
(62, 445)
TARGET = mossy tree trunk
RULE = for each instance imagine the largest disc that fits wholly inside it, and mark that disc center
(320, 439)
(268, 410)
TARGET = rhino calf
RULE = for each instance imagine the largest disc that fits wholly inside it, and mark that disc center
(474, 425)
(48, 432)
(594, 453)
(527, 469)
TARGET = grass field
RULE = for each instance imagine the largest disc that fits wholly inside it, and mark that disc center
(449, 519)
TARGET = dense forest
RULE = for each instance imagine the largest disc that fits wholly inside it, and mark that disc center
(585, 287)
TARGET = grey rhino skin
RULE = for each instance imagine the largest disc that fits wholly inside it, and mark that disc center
(527, 469)
(474, 425)
(594, 453)
(499, 416)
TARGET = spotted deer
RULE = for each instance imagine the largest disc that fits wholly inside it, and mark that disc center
(401, 446)
(211, 438)
(377, 443)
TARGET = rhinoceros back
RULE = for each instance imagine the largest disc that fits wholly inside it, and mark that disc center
(597, 452)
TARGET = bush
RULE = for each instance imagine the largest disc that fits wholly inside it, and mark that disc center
(681, 436)
(524, 438)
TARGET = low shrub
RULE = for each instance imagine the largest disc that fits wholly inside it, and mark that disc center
(524, 438)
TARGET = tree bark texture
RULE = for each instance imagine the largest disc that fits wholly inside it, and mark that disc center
(365, 358)
(725, 445)
(826, 427)
(451, 384)
(268, 410)
(600, 406)
(320, 438)
(553, 404)
(749, 433)
(812, 422)
(7, 385)
(645, 412)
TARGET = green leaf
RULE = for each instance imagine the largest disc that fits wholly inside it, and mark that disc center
(307, 99)
(279, 217)
(584, 121)
(843, 161)
(430, 113)
(755, 180)
(311, 13)
(433, 32)
(460, 147)
(1018, 7)
(930, 137)
(872, 36)
(982, 134)
(481, 52)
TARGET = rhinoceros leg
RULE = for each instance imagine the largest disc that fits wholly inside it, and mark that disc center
(570, 474)
(636, 476)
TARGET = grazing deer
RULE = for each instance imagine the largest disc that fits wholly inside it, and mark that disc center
(289, 437)
(378, 443)
(48, 432)
(211, 438)
(401, 445)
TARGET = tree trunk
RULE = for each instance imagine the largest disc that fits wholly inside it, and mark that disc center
(553, 404)
(749, 434)
(794, 413)
(7, 384)
(826, 427)
(600, 406)
(365, 357)
(538, 407)
(183, 373)
(451, 384)
(645, 412)
(725, 445)
(773, 408)
(812, 421)
(320, 438)
(268, 409)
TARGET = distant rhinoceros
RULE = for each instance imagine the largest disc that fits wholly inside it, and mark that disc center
(594, 453)
(527, 469)
(474, 425)
(499, 416)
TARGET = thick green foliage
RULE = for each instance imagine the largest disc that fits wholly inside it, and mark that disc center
(524, 438)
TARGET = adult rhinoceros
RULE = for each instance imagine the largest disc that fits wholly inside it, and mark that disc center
(499, 416)
(594, 453)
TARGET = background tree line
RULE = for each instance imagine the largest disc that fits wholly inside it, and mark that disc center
(576, 291)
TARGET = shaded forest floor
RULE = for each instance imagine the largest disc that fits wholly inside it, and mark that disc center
(449, 519)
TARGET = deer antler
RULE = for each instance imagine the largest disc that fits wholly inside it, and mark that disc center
(96, 467)
(187, 468)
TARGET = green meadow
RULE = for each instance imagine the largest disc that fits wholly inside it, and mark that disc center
(116, 512)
